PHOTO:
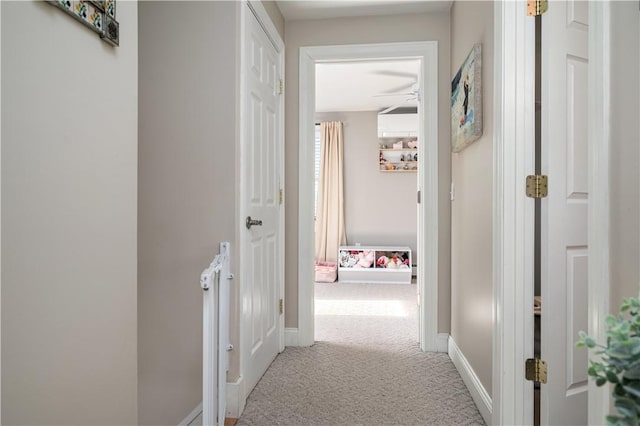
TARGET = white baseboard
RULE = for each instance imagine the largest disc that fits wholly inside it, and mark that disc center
(191, 416)
(291, 337)
(478, 392)
(442, 344)
(236, 398)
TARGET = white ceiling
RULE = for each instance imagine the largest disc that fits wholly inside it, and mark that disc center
(323, 9)
(351, 86)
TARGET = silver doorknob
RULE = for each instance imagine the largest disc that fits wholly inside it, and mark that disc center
(250, 222)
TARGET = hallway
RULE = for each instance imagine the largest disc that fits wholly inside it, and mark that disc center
(365, 368)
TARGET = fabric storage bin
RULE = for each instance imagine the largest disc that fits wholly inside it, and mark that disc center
(326, 272)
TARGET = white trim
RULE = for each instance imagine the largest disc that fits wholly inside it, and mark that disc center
(236, 399)
(291, 337)
(598, 217)
(513, 213)
(236, 392)
(265, 21)
(191, 416)
(427, 178)
(443, 343)
(0, 219)
(470, 378)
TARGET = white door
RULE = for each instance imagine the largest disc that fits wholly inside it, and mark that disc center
(564, 211)
(260, 169)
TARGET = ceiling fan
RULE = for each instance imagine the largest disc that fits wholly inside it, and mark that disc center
(410, 90)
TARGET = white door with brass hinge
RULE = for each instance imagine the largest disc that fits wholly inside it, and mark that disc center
(261, 159)
(564, 247)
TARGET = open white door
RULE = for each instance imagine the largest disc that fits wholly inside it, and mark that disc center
(564, 258)
(261, 156)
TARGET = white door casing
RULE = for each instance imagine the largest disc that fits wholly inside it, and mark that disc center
(513, 213)
(261, 177)
(428, 170)
(564, 257)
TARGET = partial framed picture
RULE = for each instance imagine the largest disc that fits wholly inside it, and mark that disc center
(466, 101)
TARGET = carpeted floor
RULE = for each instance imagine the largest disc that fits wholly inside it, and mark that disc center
(365, 369)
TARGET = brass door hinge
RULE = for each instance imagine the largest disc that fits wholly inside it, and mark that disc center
(537, 186)
(281, 87)
(281, 305)
(281, 196)
(537, 7)
(536, 370)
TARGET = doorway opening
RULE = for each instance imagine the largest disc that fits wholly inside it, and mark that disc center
(365, 166)
(427, 178)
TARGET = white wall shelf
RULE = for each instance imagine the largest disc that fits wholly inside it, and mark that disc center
(398, 160)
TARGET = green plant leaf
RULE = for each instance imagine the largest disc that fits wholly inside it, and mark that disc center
(633, 389)
(612, 376)
(618, 391)
(616, 421)
(632, 372)
(611, 321)
(626, 407)
(601, 381)
(623, 349)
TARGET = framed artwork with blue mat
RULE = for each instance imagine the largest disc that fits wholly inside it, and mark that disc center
(466, 101)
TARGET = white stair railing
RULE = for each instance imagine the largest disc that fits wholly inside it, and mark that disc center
(216, 282)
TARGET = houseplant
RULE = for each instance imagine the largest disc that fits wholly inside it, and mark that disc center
(619, 362)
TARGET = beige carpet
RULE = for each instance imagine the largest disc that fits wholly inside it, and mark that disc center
(365, 369)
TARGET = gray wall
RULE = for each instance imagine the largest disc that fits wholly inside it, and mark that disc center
(471, 230)
(276, 16)
(187, 170)
(69, 158)
(380, 208)
(625, 152)
(379, 29)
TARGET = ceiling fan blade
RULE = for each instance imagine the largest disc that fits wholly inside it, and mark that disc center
(391, 108)
(400, 88)
(397, 74)
(394, 94)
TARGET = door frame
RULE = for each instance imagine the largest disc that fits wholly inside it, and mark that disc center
(428, 169)
(237, 393)
(513, 212)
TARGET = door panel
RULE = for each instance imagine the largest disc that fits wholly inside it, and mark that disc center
(260, 170)
(564, 256)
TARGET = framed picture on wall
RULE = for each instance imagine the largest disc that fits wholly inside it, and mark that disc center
(466, 101)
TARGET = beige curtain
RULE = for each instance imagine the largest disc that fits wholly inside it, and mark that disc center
(330, 231)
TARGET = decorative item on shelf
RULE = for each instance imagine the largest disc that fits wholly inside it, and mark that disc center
(413, 144)
(398, 145)
(397, 160)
